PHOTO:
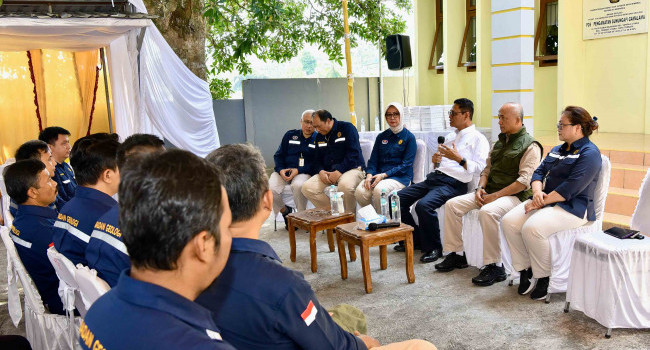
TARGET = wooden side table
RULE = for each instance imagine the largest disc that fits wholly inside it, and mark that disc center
(366, 239)
(314, 220)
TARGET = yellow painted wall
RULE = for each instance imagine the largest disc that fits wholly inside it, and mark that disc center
(430, 83)
(546, 110)
(393, 90)
(458, 82)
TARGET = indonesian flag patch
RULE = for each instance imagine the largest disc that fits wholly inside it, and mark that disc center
(309, 315)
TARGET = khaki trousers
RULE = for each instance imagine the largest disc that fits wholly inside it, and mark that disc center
(348, 182)
(365, 197)
(489, 216)
(415, 344)
(527, 235)
(277, 183)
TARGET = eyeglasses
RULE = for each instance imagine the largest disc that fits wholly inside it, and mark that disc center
(307, 122)
(392, 115)
(453, 113)
(560, 125)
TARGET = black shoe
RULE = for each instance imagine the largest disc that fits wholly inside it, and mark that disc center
(431, 256)
(489, 275)
(526, 281)
(287, 211)
(541, 289)
(399, 248)
(452, 261)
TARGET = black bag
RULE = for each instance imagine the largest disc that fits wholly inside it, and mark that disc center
(622, 233)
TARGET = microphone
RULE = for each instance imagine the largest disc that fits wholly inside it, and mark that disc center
(441, 140)
(375, 226)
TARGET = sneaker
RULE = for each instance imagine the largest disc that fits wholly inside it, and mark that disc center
(489, 275)
(526, 281)
(541, 289)
(287, 211)
(452, 261)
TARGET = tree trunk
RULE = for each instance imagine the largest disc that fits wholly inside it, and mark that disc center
(182, 24)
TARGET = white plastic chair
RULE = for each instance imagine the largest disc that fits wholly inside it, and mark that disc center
(5, 203)
(43, 330)
(366, 149)
(91, 287)
(420, 162)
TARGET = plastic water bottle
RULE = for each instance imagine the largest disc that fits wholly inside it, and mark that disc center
(339, 203)
(377, 126)
(363, 124)
(383, 204)
(395, 207)
(333, 203)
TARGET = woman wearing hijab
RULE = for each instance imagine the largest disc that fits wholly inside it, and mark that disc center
(390, 166)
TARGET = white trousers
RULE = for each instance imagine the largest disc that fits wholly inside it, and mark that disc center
(348, 182)
(489, 216)
(527, 235)
(365, 197)
(277, 183)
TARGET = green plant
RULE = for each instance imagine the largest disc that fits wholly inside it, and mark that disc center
(277, 30)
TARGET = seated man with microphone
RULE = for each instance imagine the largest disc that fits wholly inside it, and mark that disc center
(461, 156)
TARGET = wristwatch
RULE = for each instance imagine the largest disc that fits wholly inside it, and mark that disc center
(462, 162)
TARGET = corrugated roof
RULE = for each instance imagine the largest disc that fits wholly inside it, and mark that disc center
(70, 9)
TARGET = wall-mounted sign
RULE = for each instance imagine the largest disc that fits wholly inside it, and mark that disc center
(605, 18)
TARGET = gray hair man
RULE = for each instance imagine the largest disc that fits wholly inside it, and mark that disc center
(293, 165)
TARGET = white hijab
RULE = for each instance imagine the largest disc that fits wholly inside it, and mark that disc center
(400, 109)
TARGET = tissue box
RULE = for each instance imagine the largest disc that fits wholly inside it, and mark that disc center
(363, 224)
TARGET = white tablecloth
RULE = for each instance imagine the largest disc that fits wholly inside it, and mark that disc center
(609, 280)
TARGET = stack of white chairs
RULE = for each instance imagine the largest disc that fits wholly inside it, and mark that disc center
(43, 329)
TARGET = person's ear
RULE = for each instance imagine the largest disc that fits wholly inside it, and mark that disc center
(109, 176)
(32, 193)
(267, 200)
(203, 246)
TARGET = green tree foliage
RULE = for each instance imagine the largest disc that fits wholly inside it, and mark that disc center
(308, 63)
(277, 30)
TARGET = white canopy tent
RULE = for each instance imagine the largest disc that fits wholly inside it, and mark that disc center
(152, 90)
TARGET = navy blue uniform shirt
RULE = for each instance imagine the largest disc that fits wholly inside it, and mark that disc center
(393, 154)
(13, 206)
(32, 232)
(294, 146)
(260, 304)
(573, 174)
(339, 149)
(66, 183)
(76, 221)
(137, 315)
(106, 251)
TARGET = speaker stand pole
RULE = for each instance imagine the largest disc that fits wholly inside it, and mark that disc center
(348, 61)
(381, 89)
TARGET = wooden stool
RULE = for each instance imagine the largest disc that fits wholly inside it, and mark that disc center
(314, 220)
(366, 239)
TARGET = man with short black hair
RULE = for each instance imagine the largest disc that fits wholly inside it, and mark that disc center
(59, 140)
(29, 183)
(460, 158)
(39, 150)
(106, 251)
(339, 161)
(95, 165)
(257, 302)
(175, 219)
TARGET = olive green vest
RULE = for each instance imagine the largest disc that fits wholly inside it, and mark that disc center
(504, 160)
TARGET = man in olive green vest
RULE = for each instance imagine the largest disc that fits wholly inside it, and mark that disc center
(504, 184)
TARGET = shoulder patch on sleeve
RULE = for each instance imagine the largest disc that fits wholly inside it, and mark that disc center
(309, 315)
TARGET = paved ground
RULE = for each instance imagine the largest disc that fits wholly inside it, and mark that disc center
(445, 309)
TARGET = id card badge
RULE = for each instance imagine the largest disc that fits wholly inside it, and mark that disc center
(301, 162)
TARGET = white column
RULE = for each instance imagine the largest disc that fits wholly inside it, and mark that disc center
(513, 62)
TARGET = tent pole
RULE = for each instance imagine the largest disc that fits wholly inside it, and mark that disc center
(108, 99)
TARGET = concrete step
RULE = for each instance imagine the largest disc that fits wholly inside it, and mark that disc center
(616, 220)
(627, 176)
(621, 201)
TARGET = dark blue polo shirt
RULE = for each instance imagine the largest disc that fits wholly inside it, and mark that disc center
(260, 304)
(76, 222)
(137, 315)
(106, 251)
(295, 145)
(339, 149)
(66, 183)
(32, 232)
(393, 154)
(13, 206)
(573, 174)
